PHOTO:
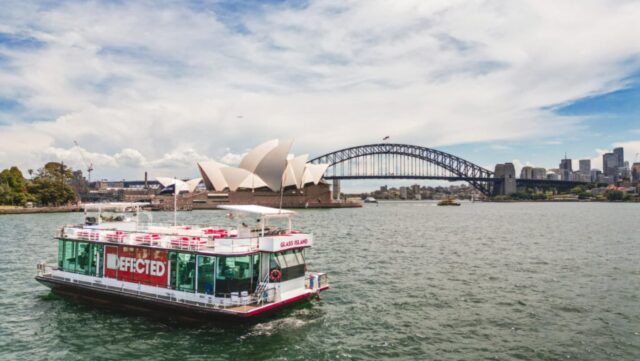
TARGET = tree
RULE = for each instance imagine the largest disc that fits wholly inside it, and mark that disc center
(615, 195)
(577, 190)
(50, 185)
(13, 187)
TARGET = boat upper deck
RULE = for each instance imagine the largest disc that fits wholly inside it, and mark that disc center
(122, 226)
(199, 239)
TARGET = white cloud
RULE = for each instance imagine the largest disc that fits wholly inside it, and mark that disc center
(144, 86)
(232, 158)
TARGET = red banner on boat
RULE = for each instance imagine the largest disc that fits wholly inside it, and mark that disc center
(135, 264)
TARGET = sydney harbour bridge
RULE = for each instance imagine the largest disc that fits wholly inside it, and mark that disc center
(403, 161)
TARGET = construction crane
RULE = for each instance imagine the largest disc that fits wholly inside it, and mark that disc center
(84, 160)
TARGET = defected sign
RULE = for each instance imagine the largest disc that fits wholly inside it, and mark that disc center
(134, 264)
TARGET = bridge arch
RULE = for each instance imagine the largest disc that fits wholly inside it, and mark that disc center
(403, 161)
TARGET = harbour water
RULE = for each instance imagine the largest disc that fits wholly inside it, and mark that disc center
(410, 281)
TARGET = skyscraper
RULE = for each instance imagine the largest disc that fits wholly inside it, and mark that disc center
(619, 152)
(566, 168)
(635, 172)
(585, 166)
(610, 164)
(566, 164)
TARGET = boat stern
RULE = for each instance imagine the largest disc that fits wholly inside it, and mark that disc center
(317, 281)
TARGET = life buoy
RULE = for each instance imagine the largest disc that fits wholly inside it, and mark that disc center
(275, 275)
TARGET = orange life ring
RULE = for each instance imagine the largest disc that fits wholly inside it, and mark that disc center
(275, 275)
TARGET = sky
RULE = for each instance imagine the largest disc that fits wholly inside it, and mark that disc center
(159, 85)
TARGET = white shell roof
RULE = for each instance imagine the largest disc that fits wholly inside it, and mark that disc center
(295, 170)
(241, 178)
(272, 166)
(313, 173)
(212, 174)
(251, 160)
(264, 166)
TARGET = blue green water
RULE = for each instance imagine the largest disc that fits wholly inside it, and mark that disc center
(410, 281)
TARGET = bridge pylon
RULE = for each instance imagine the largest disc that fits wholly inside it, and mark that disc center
(335, 190)
(506, 173)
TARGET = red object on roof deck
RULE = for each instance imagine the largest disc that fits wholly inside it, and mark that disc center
(188, 242)
(116, 236)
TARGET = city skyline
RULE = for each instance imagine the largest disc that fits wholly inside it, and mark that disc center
(158, 88)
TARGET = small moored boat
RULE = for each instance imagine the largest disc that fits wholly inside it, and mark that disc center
(448, 202)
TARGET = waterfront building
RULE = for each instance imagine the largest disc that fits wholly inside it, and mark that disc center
(403, 192)
(538, 173)
(554, 174)
(526, 172)
(606, 179)
(610, 164)
(619, 153)
(585, 166)
(566, 164)
(595, 175)
(265, 166)
(624, 172)
(635, 173)
(567, 169)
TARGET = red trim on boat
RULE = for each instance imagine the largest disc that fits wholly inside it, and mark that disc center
(277, 305)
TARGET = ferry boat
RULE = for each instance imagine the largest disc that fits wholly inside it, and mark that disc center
(186, 272)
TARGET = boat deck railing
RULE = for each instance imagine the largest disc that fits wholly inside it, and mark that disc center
(215, 240)
(263, 294)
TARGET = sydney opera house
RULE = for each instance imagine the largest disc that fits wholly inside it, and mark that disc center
(265, 174)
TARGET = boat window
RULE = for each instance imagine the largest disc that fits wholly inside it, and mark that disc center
(205, 274)
(61, 243)
(273, 262)
(96, 265)
(235, 274)
(84, 258)
(281, 260)
(173, 260)
(291, 263)
(185, 272)
(290, 258)
(69, 256)
(79, 257)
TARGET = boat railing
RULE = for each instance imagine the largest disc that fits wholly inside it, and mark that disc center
(43, 269)
(218, 301)
(264, 291)
(180, 239)
(316, 281)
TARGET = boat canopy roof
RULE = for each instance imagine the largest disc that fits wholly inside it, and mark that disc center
(266, 212)
(113, 206)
